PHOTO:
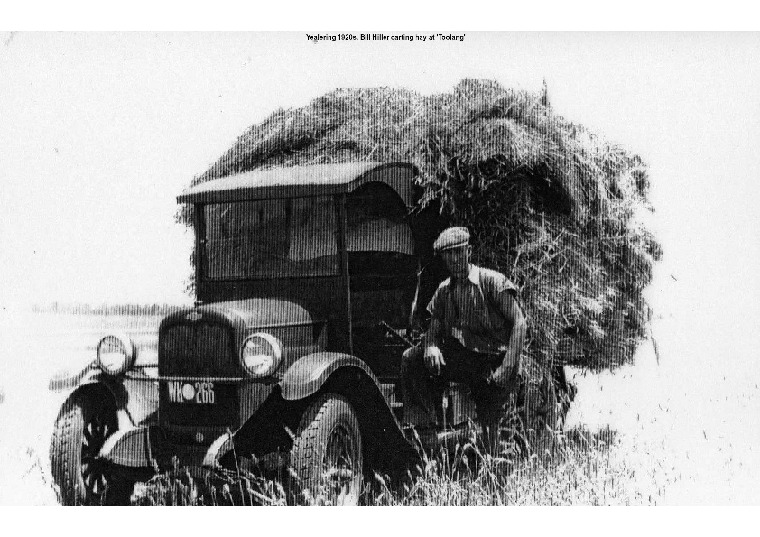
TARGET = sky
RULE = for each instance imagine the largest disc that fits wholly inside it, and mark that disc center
(100, 133)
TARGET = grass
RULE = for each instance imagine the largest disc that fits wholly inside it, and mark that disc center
(184, 487)
(584, 468)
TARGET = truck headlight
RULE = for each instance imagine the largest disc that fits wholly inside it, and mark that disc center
(261, 354)
(116, 354)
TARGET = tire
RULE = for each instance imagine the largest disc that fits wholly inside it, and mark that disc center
(82, 427)
(327, 454)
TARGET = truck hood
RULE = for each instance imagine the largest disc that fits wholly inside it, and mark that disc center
(260, 313)
(263, 312)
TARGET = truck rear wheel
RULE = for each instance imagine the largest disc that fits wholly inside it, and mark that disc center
(327, 453)
(82, 427)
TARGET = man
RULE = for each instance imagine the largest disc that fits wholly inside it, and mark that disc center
(476, 334)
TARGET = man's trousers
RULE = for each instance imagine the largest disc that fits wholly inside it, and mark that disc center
(422, 390)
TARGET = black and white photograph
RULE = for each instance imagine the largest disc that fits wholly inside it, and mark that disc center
(379, 268)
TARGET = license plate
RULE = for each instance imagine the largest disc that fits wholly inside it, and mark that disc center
(201, 393)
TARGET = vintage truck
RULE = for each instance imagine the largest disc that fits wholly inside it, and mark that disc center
(308, 281)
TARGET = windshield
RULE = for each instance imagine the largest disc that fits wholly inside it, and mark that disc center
(267, 239)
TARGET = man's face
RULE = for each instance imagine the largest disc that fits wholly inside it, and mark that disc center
(457, 261)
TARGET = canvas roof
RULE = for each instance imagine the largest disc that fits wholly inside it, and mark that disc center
(303, 181)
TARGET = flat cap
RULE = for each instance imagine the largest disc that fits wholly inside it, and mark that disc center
(452, 237)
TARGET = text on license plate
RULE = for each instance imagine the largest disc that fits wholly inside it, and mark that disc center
(191, 392)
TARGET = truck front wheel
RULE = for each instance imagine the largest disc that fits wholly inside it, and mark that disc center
(83, 425)
(327, 453)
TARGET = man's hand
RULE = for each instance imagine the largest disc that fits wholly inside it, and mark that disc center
(434, 360)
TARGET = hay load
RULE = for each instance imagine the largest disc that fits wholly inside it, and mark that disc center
(549, 203)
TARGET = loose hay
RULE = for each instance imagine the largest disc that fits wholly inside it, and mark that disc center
(549, 203)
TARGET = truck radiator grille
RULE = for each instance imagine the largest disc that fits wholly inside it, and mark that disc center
(197, 350)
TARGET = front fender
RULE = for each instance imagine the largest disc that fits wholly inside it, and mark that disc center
(309, 373)
(134, 396)
(386, 449)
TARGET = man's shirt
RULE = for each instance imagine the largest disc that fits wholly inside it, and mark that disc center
(474, 310)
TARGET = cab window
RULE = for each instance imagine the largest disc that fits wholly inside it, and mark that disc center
(267, 239)
(379, 240)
